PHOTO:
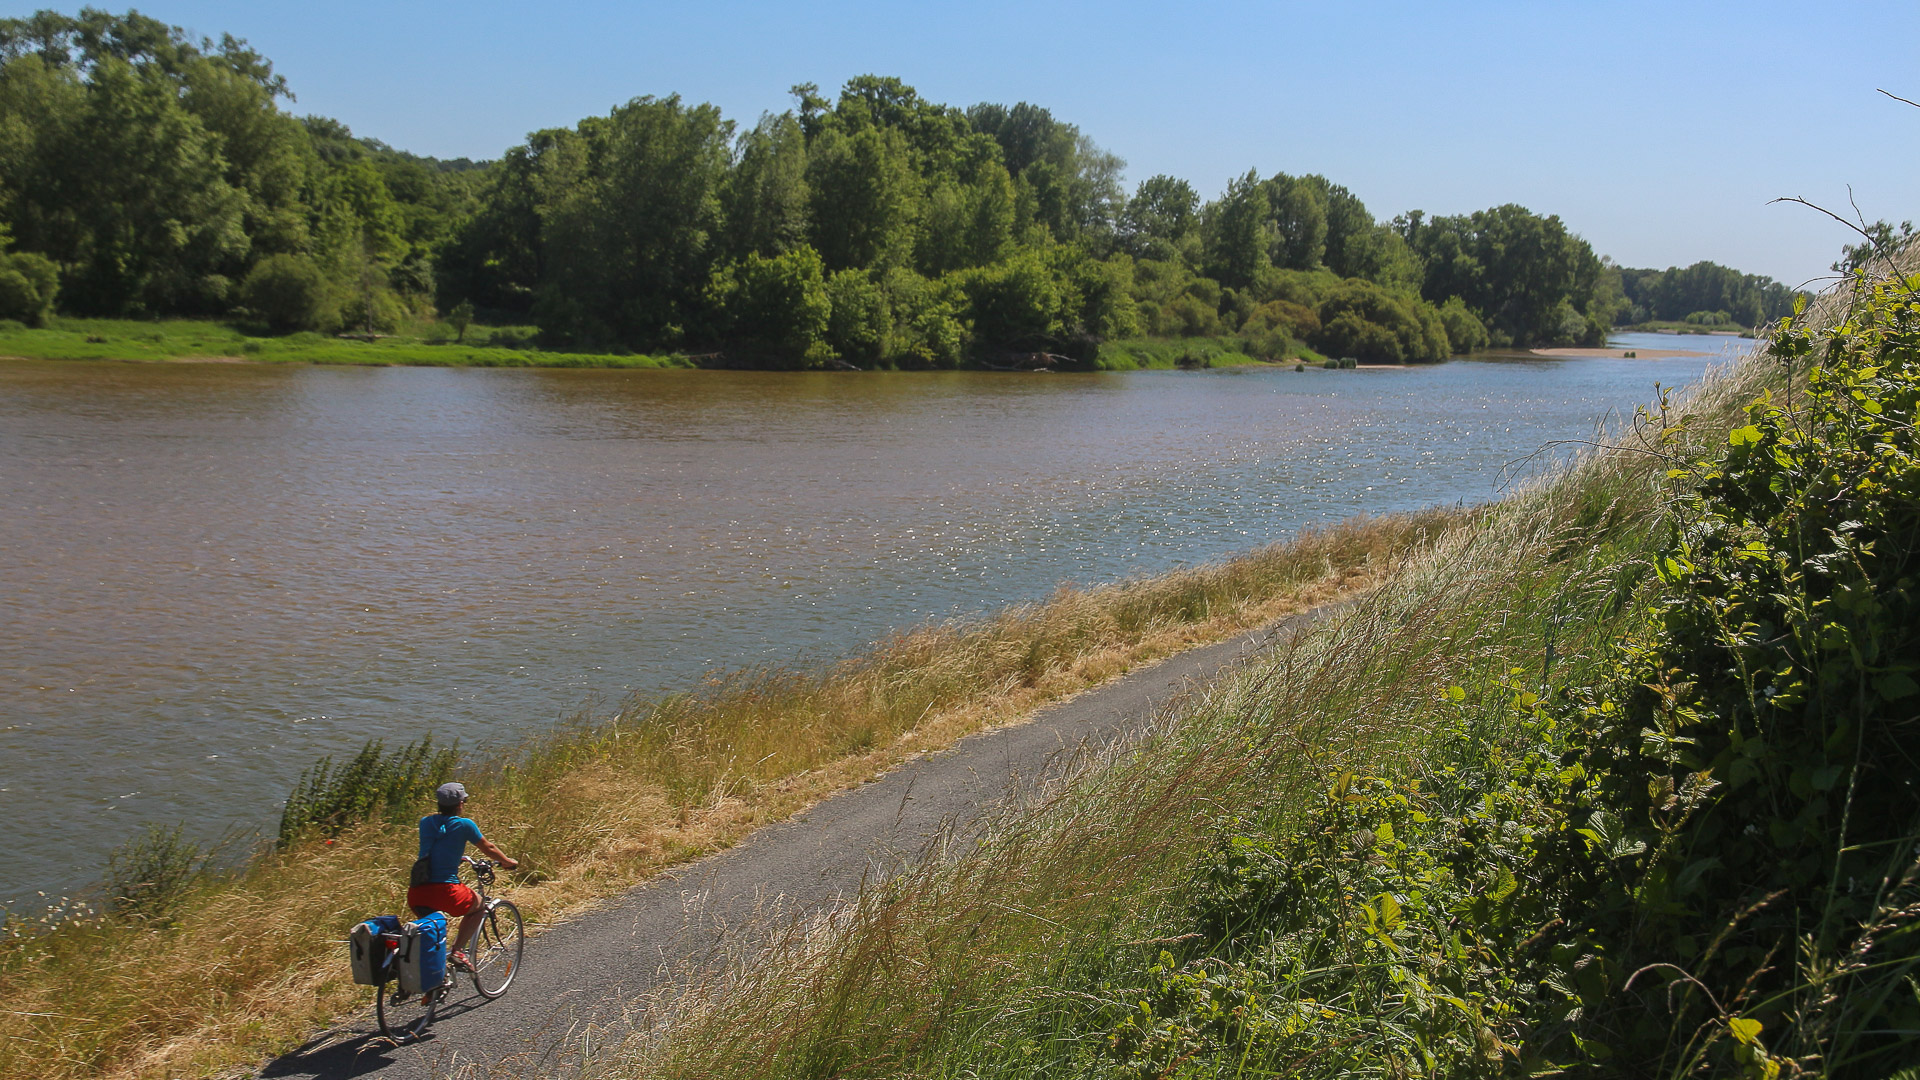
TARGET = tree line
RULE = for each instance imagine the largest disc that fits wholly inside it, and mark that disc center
(144, 174)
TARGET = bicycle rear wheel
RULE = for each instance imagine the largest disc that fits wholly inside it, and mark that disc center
(404, 1017)
(496, 948)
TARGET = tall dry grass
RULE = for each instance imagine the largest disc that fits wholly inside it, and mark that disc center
(929, 972)
(250, 962)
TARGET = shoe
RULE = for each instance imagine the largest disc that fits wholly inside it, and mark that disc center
(459, 960)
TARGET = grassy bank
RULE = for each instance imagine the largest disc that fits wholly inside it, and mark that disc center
(1614, 782)
(230, 967)
(423, 344)
(427, 343)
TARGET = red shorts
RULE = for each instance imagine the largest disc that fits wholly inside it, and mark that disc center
(452, 898)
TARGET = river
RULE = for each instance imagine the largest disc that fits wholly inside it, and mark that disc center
(216, 573)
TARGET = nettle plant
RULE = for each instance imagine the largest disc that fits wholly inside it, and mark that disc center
(1750, 816)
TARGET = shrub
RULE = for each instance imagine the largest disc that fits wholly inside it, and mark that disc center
(1748, 858)
(779, 303)
(28, 284)
(328, 798)
(289, 292)
(1366, 321)
(149, 876)
(859, 322)
(375, 311)
(1465, 331)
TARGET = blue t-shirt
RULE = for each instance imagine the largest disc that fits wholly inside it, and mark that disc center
(444, 838)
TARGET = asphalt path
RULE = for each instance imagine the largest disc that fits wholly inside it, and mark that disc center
(585, 980)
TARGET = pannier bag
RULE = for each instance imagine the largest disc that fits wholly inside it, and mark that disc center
(422, 958)
(371, 948)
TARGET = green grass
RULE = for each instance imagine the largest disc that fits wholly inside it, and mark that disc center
(194, 339)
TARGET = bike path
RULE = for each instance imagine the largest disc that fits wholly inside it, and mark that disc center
(584, 981)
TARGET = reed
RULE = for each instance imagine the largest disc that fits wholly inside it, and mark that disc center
(244, 961)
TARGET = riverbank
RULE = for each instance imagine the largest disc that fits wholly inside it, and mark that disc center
(432, 344)
(193, 980)
(202, 341)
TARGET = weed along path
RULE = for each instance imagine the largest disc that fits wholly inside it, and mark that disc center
(584, 980)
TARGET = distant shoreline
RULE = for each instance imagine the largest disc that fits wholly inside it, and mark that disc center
(1619, 354)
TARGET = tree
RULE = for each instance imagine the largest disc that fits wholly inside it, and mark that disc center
(864, 196)
(28, 285)
(289, 291)
(460, 318)
(1882, 241)
(629, 247)
(1514, 268)
(1297, 209)
(1237, 232)
(1163, 212)
(779, 304)
(765, 194)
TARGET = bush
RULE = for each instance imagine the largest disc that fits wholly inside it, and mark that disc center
(378, 311)
(1363, 320)
(329, 798)
(11, 326)
(1747, 861)
(927, 331)
(779, 303)
(289, 292)
(1465, 331)
(28, 285)
(149, 876)
(859, 322)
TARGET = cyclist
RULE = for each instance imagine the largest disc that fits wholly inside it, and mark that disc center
(443, 840)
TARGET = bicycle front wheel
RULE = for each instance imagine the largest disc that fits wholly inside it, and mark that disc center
(404, 1017)
(496, 949)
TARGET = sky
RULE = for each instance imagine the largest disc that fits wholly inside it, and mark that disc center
(1658, 131)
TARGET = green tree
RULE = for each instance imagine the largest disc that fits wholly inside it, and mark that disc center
(864, 197)
(28, 285)
(1238, 233)
(1514, 268)
(779, 304)
(629, 250)
(1465, 331)
(1162, 216)
(290, 292)
(1297, 209)
(860, 325)
(765, 194)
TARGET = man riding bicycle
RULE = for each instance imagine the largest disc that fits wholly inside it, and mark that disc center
(436, 886)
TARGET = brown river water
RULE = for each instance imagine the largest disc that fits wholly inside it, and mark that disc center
(211, 575)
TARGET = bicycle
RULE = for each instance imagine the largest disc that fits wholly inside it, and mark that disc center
(493, 959)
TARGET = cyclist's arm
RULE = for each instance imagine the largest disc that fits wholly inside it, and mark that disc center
(492, 851)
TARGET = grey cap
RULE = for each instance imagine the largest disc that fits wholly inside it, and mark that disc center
(450, 794)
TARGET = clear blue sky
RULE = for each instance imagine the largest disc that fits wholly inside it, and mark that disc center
(1659, 131)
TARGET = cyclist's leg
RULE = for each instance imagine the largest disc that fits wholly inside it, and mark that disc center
(470, 924)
